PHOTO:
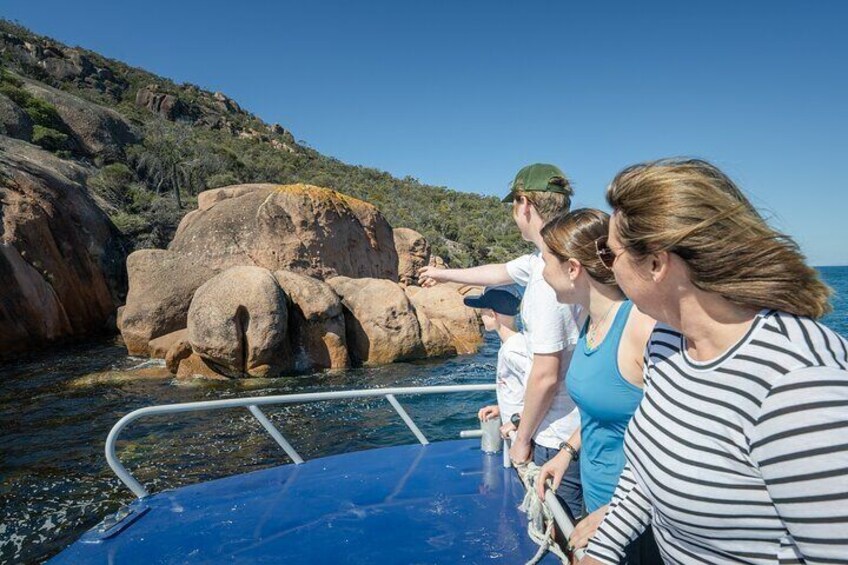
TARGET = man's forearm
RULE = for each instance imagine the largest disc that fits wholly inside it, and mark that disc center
(484, 275)
(542, 386)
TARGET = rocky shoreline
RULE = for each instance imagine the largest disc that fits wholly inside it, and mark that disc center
(264, 280)
(261, 280)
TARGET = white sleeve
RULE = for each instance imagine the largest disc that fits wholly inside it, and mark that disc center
(518, 364)
(554, 327)
(519, 269)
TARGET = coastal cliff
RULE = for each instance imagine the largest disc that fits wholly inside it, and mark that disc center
(100, 161)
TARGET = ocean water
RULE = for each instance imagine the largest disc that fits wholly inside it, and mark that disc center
(837, 278)
(54, 417)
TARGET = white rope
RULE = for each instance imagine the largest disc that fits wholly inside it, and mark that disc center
(540, 521)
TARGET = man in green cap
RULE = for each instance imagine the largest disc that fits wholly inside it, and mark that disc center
(538, 193)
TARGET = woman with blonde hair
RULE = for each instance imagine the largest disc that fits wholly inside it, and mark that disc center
(605, 375)
(737, 453)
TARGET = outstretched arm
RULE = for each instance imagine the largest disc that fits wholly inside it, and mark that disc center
(484, 275)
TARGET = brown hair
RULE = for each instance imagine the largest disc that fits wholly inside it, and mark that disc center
(690, 208)
(549, 204)
(573, 236)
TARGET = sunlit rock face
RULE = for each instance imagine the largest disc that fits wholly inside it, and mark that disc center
(238, 323)
(61, 260)
(301, 228)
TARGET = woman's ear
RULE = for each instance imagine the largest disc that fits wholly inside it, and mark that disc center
(660, 264)
(574, 267)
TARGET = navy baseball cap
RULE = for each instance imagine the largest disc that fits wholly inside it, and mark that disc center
(502, 299)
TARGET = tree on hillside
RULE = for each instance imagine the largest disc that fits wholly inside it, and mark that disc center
(161, 159)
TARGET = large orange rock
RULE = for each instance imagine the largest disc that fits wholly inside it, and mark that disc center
(61, 260)
(161, 286)
(380, 323)
(316, 323)
(447, 326)
(302, 228)
(238, 322)
(413, 254)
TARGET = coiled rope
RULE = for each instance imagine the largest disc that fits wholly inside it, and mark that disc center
(540, 519)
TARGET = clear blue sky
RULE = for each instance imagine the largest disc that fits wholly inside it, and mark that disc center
(462, 94)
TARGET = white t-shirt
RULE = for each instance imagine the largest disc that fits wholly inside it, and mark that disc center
(548, 327)
(513, 367)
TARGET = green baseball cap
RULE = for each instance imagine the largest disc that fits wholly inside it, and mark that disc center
(539, 177)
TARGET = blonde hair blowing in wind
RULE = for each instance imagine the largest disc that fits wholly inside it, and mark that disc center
(692, 209)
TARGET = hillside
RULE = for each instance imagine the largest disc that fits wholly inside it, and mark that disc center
(152, 145)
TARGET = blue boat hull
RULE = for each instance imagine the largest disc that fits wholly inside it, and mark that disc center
(446, 502)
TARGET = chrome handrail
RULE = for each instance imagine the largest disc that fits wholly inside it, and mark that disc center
(253, 403)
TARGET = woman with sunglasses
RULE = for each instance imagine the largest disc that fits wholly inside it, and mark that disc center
(737, 453)
(605, 375)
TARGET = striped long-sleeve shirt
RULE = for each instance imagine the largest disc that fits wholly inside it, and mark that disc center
(743, 459)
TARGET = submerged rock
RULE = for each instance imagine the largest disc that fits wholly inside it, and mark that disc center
(120, 377)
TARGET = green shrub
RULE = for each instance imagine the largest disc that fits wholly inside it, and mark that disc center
(112, 182)
(18, 95)
(129, 224)
(8, 78)
(222, 179)
(139, 197)
(49, 138)
(40, 112)
(44, 114)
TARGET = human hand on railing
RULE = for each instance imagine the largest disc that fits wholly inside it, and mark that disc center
(431, 275)
(488, 412)
(520, 452)
(554, 469)
(586, 528)
(506, 429)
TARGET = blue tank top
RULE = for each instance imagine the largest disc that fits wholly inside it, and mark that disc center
(606, 401)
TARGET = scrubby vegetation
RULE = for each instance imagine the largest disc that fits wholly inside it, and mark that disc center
(208, 142)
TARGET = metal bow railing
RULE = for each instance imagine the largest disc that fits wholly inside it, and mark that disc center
(253, 406)
(253, 403)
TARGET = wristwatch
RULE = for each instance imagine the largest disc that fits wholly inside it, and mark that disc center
(575, 455)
